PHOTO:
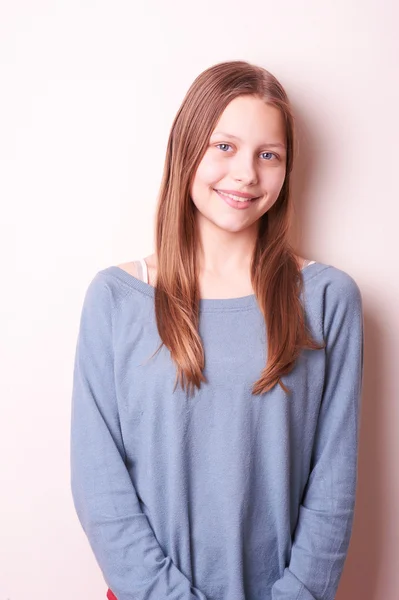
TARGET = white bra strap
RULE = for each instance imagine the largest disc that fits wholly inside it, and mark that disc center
(145, 270)
(311, 262)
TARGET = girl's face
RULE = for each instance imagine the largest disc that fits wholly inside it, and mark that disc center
(246, 153)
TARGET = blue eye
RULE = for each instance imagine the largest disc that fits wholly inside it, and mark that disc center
(228, 146)
(271, 154)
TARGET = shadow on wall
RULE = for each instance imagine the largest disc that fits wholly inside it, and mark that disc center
(361, 574)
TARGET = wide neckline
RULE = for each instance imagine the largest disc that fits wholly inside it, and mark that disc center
(205, 304)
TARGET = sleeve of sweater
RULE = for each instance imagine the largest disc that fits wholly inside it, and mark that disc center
(323, 530)
(122, 540)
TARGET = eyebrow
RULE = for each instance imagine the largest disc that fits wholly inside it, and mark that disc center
(268, 145)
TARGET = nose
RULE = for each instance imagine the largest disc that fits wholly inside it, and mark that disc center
(244, 170)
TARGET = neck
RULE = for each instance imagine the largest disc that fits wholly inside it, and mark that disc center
(222, 252)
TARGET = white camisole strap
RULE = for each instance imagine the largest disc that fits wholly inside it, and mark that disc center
(144, 270)
(307, 263)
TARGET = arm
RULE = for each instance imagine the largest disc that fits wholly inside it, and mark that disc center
(325, 518)
(120, 535)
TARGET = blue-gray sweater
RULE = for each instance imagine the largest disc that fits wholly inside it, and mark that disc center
(226, 495)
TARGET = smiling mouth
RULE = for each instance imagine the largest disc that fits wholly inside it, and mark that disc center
(236, 198)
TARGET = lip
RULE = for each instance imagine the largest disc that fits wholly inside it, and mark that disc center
(238, 204)
(236, 193)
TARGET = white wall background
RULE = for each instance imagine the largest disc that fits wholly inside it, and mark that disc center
(88, 94)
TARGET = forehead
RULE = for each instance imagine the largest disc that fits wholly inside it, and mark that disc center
(250, 117)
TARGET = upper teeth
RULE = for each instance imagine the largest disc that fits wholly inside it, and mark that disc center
(233, 197)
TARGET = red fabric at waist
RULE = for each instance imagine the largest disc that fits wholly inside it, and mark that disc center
(111, 596)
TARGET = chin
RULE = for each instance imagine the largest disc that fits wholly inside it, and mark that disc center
(232, 227)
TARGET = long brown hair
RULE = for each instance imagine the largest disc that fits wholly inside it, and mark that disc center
(275, 274)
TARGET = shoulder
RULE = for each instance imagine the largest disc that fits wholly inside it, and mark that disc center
(330, 282)
(120, 281)
(135, 268)
(334, 298)
(102, 292)
(131, 267)
(108, 287)
(341, 287)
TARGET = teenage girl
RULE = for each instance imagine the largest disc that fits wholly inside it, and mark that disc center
(217, 382)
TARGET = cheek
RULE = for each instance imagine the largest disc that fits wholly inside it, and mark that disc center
(209, 171)
(273, 179)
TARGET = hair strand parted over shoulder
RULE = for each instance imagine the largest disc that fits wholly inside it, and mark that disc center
(275, 274)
